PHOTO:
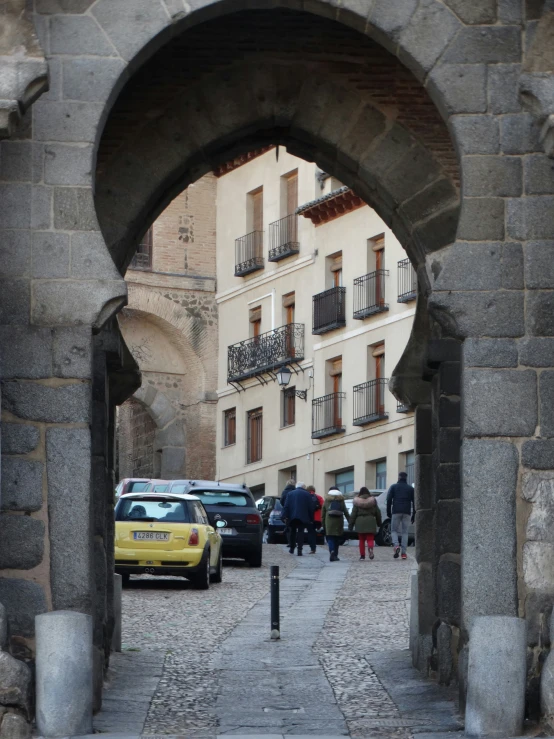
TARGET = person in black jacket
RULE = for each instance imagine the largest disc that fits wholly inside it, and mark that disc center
(286, 490)
(400, 511)
(298, 513)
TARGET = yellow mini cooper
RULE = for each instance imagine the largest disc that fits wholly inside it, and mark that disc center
(166, 534)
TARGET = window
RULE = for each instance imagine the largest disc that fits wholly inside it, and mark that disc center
(231, 498)
(143, 256)
(255, 318)
(284, 475)
(409, 463)
(289, 306)
(344, 481)
(255, 210)
(335, 269)
(289, 193)
(381, 474)
(289, 406)
(230, 427)
(152, 509)
(254, 437)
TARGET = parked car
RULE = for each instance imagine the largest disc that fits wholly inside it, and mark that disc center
(157, 486)
(265, 505)
(167, 534)
(131, 485)
(276, 528)
(234, 505)
(384, 536)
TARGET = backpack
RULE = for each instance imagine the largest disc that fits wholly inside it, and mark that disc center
(335, 509)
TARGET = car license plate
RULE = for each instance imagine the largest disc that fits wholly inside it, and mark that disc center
(226, 532)
(150, 536)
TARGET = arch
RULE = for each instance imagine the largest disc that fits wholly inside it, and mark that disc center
(170, 435)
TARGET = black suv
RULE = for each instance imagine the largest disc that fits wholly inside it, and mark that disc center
(233, 512)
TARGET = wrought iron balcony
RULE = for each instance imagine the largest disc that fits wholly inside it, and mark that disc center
(327, 415)
(369, 401)
(329, 310)
(249, 253)
(402, 407)
(369, 294)
(407, 281)
(283, 238)
(266, 352)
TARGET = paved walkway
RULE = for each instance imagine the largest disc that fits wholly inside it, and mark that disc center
(202, 664)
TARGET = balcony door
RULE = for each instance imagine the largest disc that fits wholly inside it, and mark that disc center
(336, 383)
(289, 308)
(254, 440)
(379, 372)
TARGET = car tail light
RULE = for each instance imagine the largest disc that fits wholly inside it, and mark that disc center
(193, 538)
(253, 518)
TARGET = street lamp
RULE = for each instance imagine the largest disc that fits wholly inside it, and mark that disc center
(283, 379)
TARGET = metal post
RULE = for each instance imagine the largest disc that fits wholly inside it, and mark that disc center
(275, 625)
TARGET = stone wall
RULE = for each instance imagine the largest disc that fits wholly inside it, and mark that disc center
(170, 327)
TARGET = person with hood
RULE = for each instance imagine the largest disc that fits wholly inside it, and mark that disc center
(298, 513)
(316, 523)
(286, 490)
(400, 510)
(332, 516)
(365, 520)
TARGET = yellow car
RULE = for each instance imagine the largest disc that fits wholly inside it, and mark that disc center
(166, 534)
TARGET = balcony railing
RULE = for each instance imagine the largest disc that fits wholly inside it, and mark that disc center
(265, 352)
(249, 253)
(407, 281)
(402, 407)
(369, 294)
(369, 401)
(283, 238)
(327, 415)
(141, 261)
(329, 310)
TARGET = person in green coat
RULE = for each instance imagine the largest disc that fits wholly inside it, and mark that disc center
(333, 513)
(365, 520)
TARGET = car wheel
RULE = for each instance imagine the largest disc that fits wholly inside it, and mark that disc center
(218, 574)
(201, 581)
(384, 537)
(255, 559)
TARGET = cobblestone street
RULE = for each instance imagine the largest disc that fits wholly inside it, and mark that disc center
(200, 664)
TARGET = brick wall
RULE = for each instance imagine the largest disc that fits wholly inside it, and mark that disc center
(136, 441)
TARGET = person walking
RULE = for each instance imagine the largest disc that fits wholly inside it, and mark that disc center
(333, 513)
(400, 511)
(365, 520)
(298, 513)
(291, 485)
(316, 523)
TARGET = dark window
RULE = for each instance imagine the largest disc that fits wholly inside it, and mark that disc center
(224, 498)
(230, 427)
(143, 256)
(289, 406)
(381, 474)
(344, 481)
(254, 439)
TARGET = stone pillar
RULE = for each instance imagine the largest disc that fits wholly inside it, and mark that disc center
(496, 677)
(64, 674)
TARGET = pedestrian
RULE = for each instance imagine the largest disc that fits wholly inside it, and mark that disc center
(291, 484)
(365, 520)
(332, 516)
(316, 523)
(400, 511)
(298, 513)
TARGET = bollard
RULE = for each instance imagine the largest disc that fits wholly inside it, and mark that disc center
(275, 625)
(64, 667)
(117, 591)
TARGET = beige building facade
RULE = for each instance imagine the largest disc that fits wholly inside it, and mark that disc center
(308, 278)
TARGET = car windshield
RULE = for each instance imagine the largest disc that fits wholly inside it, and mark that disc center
(152, 509)
(137, 487)
(223, 497)
(160, 487)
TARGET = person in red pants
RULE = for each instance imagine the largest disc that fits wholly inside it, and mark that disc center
(365, 520)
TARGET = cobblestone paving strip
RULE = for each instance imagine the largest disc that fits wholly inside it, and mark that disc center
(165, 619)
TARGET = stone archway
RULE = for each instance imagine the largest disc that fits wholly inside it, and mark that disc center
(65, 251)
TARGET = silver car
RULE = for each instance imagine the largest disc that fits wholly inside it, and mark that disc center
(384, 535)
